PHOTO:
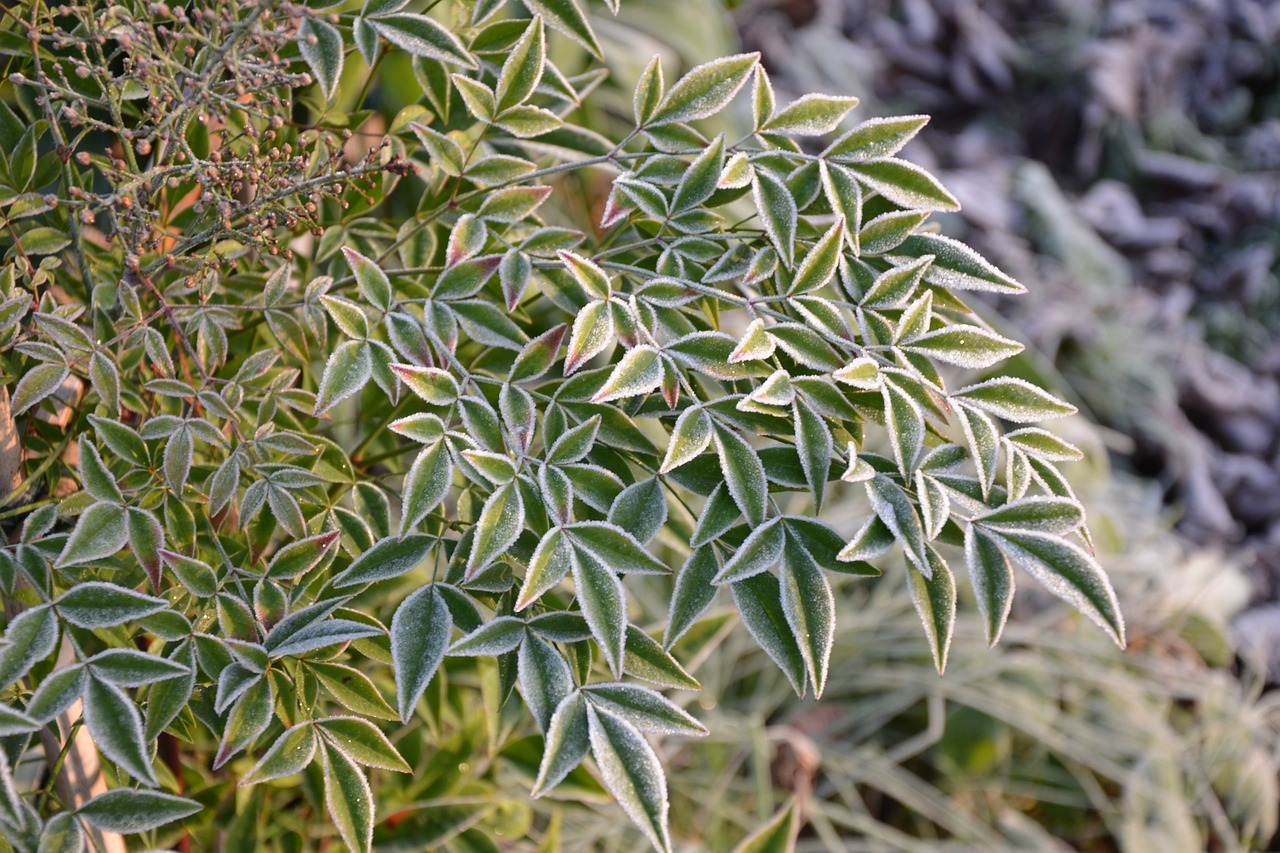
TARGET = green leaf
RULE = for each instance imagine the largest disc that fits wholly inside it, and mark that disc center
(759, 602)
(1015, 400)
(100, 532)
(353, 689)
(1039, 514)
(759, 553)
(362, 742)
(36, 384)
(567, 743)
(94, 604)
(548, 566)
(743, 473)
(289, 755)
(815, 446)
(122, 440)
(127, 811)
(574, 443)
(877, 137)
(992, 578)
(810, 608)
(905, 184)
(820, 264)
(638, 373)
(811, 115)
(425, 486)
(646, 659)
(538, 355)
(631, 772)
(320, 44)
(1067, 571)
(374, 285)
(648, 91)
(641, 510)
(349, 799)
(776, 836)
(777, 209)
(422, 36)
(346, 372)
(63, 833)
(698, 182)
(966, 346)
(497, 637)
(646, 709)
(592, 332)
(248, 718)
(1043, 445)
(442, 150)
(57, 691)
(500, 523)
(705, 90)
(690, 437)
(420, 633)
(935, 600)
(512, 204)
(116, 727)
(133, 668)
(905, 422)
(566, 17)
(195, 575)
(388, 558)
(545, 679)
(603, 603)
(523, 67)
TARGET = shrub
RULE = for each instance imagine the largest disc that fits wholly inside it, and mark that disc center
(318, 407)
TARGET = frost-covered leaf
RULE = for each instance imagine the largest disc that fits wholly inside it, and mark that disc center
(646, 709)
(877, 137)
(690, 437)
(435, 386)
(991, 576)
(419, 35)
(1015, 400)
(500, 523)
(810, 609)
(1039, 514)
(905, 421)
(759, 553)
(604, 604)
(592, 332)
(905, 184)
(810, 115)
(116, 726)
(1067, 571)
(641, 510)
(362, 742)
(426, 485)
(743, 473)
(759, 603)
(777, 209)
(95, 604)
(348, 798)
(388, 558)
(776, 836)
(128, 810)
(820, 264)
(567, 743)
(544, 677)
(523, 67)
(346, 372)
(101, 531)
(566, 16)
(966, 346)
(420, 633)
(615, 547)
(705, 90)
(289, 754)
(320, 44)
(496, 637)
(631, 772)
(935, 600)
